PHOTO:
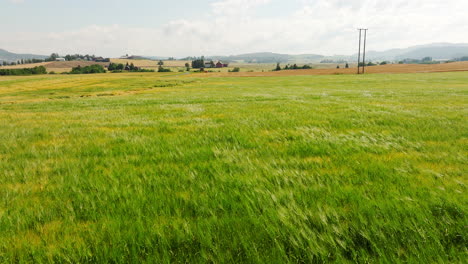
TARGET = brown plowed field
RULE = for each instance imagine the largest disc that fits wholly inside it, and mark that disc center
(72, 64)
(391, 68)
(23, 66)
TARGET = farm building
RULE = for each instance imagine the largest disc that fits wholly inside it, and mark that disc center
(221, 65)
(209, 64)
(101, 59)
(60, 59)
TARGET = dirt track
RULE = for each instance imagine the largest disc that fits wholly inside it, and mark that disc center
(391, 68)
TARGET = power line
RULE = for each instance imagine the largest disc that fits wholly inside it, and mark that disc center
(364, 51)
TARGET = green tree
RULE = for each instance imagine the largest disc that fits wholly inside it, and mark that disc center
(161, 63)
(53, 57)
(88, 69)
(198, 63)
(278, 67)
(427, 59)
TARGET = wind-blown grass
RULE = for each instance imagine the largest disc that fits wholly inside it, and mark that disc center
(138, 168)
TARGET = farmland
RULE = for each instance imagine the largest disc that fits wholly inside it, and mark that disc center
(258, 69)
(159, 168)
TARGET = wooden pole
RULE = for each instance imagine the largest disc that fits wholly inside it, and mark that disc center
(359, 53)
(364, 55)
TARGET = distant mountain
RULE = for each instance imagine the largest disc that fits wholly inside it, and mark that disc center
(268, 57)
(13, 57)
(438, 51)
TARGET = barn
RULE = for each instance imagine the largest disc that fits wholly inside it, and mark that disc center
(221, 65)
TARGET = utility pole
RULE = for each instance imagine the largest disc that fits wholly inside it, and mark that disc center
(364, 51)
(359, 53)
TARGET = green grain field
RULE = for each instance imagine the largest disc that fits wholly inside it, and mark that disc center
(135, 168)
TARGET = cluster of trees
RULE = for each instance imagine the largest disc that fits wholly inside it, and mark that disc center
(370, 63)
(22, 61)
(464, 58)
(86, 57)
(346, 66)
(88, 69)
(189, 58)
(292, 67)
(332, 61)
(425, 60)
(162, 69)
(295, 67)
(119, 67)
(26, 71)
(52, 57)
(198, 63)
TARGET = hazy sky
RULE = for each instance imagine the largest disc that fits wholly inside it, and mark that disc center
(224, 27)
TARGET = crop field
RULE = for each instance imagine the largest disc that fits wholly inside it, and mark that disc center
(152, 64)
(165, 168)
(56, 66)
(323, 70)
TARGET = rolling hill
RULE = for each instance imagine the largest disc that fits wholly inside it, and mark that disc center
(438, 51)
(11, 57)
(268, 57)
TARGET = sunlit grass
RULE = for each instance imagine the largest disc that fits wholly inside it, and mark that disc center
(152, 168)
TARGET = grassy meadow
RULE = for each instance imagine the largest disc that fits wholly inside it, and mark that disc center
(134, 168)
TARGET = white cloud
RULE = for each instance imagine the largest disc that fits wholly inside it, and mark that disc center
(319, 26)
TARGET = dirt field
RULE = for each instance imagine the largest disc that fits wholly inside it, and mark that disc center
(391, 68)
(22, 66)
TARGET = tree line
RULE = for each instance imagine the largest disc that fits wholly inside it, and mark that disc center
(292, 67)
(53, 57)
(198, 63)
(26, 71)
(88, 69)
(22, 61)
(119, 67)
